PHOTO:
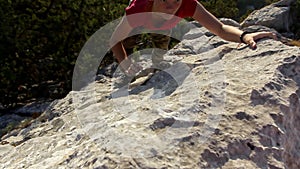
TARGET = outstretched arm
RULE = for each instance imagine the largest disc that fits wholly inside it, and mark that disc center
(227, 32)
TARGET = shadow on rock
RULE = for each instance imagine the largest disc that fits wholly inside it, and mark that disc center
(164, 82)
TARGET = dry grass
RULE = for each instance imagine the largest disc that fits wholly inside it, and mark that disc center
(294, 43)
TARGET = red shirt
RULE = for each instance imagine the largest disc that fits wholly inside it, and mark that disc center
(142, 18)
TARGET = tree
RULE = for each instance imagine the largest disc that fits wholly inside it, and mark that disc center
(220, 8)
(40, 41)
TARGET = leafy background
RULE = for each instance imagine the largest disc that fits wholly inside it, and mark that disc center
(40, 41)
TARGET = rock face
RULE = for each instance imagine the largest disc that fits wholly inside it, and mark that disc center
(277, 16)
(217, 106)
(291, 138)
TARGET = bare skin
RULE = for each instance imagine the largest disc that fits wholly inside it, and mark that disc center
(204, 17)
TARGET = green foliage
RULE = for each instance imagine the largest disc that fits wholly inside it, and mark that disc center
(40, 41)
(220, 8)
(296, 13)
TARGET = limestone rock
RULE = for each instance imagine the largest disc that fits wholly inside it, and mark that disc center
(217, 106)
(291, 139)
(277, 16)
(33, 108)
(230, 22)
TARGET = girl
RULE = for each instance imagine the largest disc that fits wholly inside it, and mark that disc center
(162, 18)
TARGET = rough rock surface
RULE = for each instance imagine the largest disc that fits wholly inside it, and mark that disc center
(277, 16)
(21, 116)
(217, 106)
(291, 137)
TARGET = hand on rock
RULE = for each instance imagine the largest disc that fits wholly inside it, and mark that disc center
(251, 38)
